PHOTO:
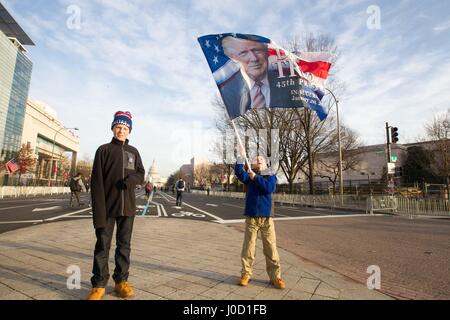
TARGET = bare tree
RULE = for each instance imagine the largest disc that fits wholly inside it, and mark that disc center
(314, 134)
(329, 161)
(84, 166)
(223, 125)
(202, 174)
(437, 130)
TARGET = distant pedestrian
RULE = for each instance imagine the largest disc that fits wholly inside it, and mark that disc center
(179, 186)
(76, 187)
(208, 190)
(116, 172)
(261, 183)
(148, 189)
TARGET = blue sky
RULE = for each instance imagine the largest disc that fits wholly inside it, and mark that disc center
(142, 56)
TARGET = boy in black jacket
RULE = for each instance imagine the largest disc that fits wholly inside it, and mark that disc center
(116, 171)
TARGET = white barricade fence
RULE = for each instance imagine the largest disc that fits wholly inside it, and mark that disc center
(30, 191)
(367, 203)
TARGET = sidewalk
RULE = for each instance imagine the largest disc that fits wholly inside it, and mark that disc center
(171, 259)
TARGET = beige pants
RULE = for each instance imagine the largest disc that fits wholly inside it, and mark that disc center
(267, 228)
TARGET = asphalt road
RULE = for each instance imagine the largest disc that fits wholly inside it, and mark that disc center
(25, 212)
(227, 210)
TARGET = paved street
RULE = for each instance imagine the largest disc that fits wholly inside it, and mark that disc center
(25, 212)
(412, 254)
(225, 210)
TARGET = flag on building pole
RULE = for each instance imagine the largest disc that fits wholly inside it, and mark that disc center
(253, 72)
(12, 166)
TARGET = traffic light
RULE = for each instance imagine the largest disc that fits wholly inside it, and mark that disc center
(394, 134)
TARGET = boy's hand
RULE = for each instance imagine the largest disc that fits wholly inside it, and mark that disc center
(252, 174)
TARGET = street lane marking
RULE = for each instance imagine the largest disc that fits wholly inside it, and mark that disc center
(232, 205)
(164, 210)
(46, 209)
(80, 216)
(281, 215)
(200, 210)
(188, 214)
(305, 218)
(2, 201)
(25, 221)
(302, 211)
(150, 198)
(160, 208)
(212, 205)
(26, 205)
(165, 197)
(67, 214)
(159, 211)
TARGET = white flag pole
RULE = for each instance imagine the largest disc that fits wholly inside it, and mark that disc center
(240, 142)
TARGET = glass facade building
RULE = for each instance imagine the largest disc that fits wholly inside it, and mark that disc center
(15, 75)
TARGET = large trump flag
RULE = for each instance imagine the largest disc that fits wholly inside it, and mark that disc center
(252, 72)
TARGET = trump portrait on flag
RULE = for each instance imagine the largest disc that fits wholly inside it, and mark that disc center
(253, 60)
(239, 65)
(252, 72)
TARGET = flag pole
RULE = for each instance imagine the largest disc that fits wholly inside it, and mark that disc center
(240, 142)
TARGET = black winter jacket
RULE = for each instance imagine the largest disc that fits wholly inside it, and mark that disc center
(116, 171)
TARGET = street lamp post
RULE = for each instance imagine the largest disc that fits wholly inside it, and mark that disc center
(341, 178)
(53, 151)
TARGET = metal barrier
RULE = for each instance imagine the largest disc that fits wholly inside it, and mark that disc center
(15, 192)
(435, 207)
(381, 203)
(323, 201)
(369, 204)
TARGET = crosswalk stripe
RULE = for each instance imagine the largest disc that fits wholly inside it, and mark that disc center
(164, 211)
(159, 211)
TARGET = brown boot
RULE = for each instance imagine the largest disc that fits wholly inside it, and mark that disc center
(96, 294)
(124, 290)
(279, 283)
(244, 280)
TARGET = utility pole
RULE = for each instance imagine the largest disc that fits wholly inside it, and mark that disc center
(338, 125)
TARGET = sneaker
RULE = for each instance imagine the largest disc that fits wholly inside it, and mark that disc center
(279, 283)
(123, 289)
(244, 280)
(96, 294)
